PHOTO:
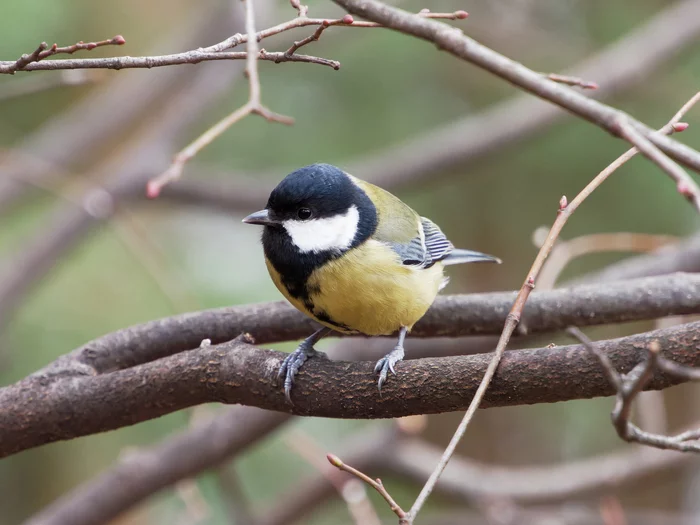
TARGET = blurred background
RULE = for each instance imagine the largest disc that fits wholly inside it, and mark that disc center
(156, 258)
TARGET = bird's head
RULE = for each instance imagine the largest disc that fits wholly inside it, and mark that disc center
(318, 208)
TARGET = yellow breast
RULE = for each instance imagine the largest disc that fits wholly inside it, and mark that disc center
(368, 290)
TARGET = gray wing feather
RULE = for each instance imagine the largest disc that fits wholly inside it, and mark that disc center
(436, 244)
(425, 250)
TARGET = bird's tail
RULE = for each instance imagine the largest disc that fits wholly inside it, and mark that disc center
(467, 256)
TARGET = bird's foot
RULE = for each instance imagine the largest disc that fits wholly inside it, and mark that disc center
(292, 363)
(386, 364)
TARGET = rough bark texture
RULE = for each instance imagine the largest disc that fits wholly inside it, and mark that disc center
(38, 410)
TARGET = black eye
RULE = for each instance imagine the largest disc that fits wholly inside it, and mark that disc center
(304, 214)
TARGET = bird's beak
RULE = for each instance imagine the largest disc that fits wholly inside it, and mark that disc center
(261, 217)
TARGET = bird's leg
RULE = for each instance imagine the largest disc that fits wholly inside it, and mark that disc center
(387, 362)
(292, 363)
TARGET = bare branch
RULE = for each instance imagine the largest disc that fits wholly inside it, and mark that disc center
(629, 385)
(189, 57)
(455, 42)
(477, 135)
(141, 473)
(253, 106)
(470, 479)
(376, 484)
(42, 408)
(44, 51)
(684, 184)
(450, 316)
(78, 136)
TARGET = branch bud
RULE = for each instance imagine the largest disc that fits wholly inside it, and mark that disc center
(153, 190)
(684, 189)
(334, 460)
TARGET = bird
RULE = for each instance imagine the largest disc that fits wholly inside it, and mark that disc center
(354, 258)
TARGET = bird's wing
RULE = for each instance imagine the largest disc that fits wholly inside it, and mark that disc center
(436, 244)
(417, 240)
(427, 248)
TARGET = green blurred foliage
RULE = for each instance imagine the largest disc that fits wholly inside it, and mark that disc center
(389, 88)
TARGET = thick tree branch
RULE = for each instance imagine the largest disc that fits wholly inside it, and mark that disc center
(450, 316)
(452, 40)
(38, 410)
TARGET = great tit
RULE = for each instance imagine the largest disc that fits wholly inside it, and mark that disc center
(353, 257)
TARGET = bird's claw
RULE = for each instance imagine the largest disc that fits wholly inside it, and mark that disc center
(386, 365)
(291, 365)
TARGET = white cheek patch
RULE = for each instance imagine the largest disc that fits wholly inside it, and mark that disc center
(329, 233)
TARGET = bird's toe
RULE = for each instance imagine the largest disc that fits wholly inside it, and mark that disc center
(291, 365)
(386, 364)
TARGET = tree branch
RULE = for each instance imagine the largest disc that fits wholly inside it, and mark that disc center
(470, 479)
(41, 409)
(475, 136)
(450, 316)
(254, 105)
(452, 40)
(141, 473)
(629, 385)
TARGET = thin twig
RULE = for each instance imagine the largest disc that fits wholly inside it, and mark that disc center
(253, 106)
(353, 492)
(33, 61)
(565, 211)
(376, 484)
(44, 51)
(628, 387)
(469, 50)
(685, 185)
